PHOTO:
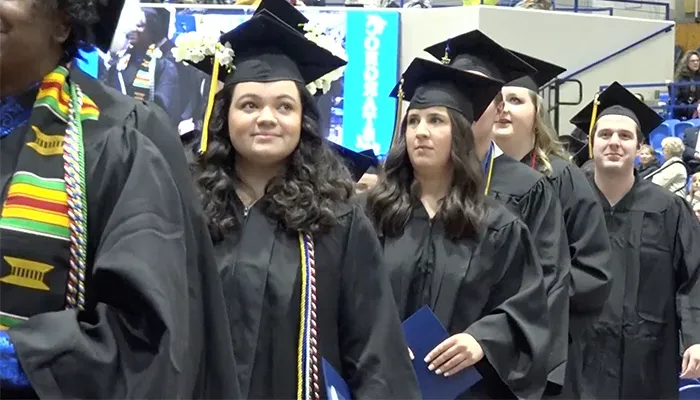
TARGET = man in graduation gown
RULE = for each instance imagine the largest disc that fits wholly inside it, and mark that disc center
(526, 192)
(109, 288)
(633, 350)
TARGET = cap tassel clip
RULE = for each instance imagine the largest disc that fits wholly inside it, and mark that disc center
(446, 58)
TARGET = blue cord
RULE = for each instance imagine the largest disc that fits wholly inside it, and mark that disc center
(11, 374)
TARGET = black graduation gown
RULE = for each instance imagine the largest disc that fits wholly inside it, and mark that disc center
(491, 288)
(359, 328)
(211, 355)
(589, 249)
(529, 195)
(163, 264)
(632, 351)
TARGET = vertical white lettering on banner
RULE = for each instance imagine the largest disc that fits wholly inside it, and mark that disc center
(374, 27)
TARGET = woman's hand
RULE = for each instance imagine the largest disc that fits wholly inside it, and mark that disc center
(454, 354)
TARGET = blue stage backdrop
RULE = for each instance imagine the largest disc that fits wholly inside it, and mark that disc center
(357, 112)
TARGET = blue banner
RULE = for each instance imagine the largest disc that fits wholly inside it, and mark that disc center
(372, 45)
(88, 62)
(357, 112)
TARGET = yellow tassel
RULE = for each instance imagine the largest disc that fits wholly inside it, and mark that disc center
(594, 116)
(399, 110)
(210, 105)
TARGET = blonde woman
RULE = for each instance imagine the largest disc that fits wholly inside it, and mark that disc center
(523, 131)
(694, 195)
(648, 161)
(672, 174)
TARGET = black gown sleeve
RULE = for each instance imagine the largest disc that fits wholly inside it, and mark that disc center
(513, 333)
(131, 340)
(687, 258)
(375, 355)
(542, 213)
(210, 353)
(589, 245)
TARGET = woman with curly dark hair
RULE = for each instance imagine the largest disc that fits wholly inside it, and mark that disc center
(105, 257)
(299, 262)
(450, 248)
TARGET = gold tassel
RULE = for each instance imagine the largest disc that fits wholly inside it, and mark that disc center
(210, 105)
(594, 116)
(399, 110)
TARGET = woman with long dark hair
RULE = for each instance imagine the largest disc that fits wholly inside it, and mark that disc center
(448, 247)
(523, 190)
(300, 266)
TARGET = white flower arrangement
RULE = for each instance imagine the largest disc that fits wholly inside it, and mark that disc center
(315, 33)
(194, 47)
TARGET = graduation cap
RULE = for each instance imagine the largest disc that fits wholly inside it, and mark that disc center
(357, 163)
(616, 100)
(475, 51)
(546, 71)
(103, 30)
(428, 84)
(285, 11)
(578, 147)
(266, 49)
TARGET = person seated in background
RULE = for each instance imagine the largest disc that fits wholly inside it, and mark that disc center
(691, 152)
(672, 174)
(648, 162)
(694, 192)
(688, 71)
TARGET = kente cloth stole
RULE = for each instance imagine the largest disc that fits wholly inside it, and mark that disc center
(43, 223)
(145, 79)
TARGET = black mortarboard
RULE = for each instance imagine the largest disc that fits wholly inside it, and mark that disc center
(546, 71)
(428, 84)
(103, 30)
(616, 100)
(267, 50)
(283, 10)
(577, 147)
(357, 163)
(477, 52)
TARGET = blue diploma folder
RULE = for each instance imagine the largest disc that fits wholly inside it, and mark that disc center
(423, 331)
(336, 387)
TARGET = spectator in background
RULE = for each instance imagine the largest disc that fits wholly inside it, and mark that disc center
(691, 153)
(688, 71)
(144, 70)
(672, 174)
(696, 210)
(694, 195)
(535, 4)
(648, 161)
